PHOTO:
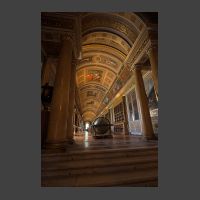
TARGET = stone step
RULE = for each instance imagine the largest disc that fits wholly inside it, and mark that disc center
(74, 151)
(148, 183)
(101, 169)
(113, 167)
(98, 154)
(78, 164)
(133, 177)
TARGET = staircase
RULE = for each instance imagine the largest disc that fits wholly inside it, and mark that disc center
(101, 168)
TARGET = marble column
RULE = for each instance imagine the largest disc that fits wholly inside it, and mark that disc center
(70, 132)
(142, 101)
(125, 116)
(59, 110)
(153, 57)
(45, 71)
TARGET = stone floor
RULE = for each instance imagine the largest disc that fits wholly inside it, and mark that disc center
(85, 142)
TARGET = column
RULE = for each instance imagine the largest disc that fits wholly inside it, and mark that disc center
(110, 114)
(45, 71)
(58, 118)
(125, 116)
(76, 122)
(153, 57)
(142, 101)
(70, 132)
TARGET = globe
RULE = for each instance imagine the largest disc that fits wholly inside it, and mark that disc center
(101, 125)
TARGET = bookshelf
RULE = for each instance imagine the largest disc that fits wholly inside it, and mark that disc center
(119, 118)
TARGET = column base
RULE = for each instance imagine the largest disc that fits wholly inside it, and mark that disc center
(70, 141)
(56, 146)
(147, 138)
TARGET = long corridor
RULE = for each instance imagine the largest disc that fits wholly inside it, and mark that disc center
(100, 74)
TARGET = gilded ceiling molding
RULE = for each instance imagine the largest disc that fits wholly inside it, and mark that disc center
(137, 48)
(109, 44)
(99, 58)
(133, 18)
(123, 17)
(152, 45)
(95, 86)
(105, 36)
(95, 48)
(115, 22)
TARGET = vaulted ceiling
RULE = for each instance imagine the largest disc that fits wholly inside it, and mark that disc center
(106, 41)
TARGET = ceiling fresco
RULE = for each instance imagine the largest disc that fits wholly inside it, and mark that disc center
(106, 41)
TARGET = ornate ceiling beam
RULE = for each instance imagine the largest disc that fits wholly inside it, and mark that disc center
(98, 48)
(106, 37)
(121, 51)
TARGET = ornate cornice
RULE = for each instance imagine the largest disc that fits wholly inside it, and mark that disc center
(153, 45)
(142, 46)
(56, 21)
(137, 48)
(67, 36)
(74, 62)
(57, 27)
(138, 66)
(77, 38)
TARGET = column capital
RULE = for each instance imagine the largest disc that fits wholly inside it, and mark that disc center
(153, 32)
(153, 45)
(74, 61)
(67, 37)
(135, 66)
(138, 66)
